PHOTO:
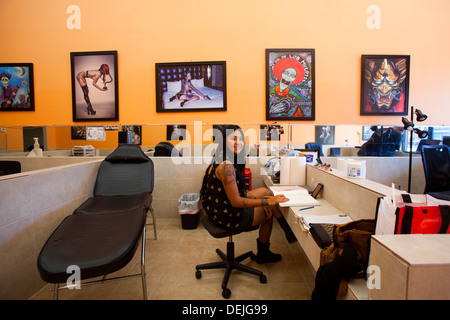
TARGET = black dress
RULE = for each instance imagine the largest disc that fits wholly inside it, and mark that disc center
(217, 206)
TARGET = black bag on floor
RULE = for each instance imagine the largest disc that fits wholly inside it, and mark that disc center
(322, 233)
(331, 278)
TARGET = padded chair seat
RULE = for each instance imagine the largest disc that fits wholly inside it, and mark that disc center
(105, 204)
(441, 195)
(85, 241)
(218, 232)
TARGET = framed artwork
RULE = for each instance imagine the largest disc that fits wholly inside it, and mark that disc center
(324, 134)
(134, 133)
(270, 132)
(95, 133)
(290, 84)
(17, 81)
(94, 86)
(78, 132)
(384, 84)
(367, 132)
(191, 86)
(176, 132)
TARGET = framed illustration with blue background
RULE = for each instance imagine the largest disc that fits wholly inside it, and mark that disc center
(17, 92)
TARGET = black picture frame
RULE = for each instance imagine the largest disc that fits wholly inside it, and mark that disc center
(324, 134)
(135, 132)
(176, 132)
(292, 98)
(384, 95)
(208, 79)
(78, 132)
(17, 87)
(92, 100)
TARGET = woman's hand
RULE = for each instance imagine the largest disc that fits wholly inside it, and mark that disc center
(277, 199)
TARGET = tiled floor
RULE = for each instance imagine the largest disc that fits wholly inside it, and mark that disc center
(170, 269)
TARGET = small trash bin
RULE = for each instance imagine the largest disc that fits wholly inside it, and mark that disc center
(189, 206)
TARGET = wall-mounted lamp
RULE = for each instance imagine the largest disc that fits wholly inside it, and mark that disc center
(409, 126)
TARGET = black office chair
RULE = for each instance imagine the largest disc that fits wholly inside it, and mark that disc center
(102, 235)
(315, 146)
(9, 167)
(427, 142)
(229, 261)
(386, 149)
(436, 165)
(166, 149)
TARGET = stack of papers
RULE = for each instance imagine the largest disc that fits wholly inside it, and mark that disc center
(297, 196)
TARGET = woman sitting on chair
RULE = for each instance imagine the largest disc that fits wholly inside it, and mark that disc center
(226, 202)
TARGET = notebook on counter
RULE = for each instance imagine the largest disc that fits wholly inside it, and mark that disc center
(298, 196)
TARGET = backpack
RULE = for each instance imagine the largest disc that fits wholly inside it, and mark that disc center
(355, 234)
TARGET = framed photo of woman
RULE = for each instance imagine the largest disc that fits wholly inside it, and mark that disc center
(191, 86)
(94, 86)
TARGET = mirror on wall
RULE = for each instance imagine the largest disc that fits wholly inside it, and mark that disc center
(346, 138)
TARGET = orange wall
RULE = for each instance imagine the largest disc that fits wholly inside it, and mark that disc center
(238, 31)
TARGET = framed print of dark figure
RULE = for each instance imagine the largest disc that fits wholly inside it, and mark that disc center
(290, 84)
(17, 87)
(94, 86)
(384, 84)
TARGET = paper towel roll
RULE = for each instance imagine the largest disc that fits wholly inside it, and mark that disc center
(298, 171)
(285, 171)
(342, 164)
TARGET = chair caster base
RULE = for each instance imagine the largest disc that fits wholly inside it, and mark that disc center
(226, 293)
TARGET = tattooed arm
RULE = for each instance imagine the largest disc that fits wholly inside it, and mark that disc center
(226, 173)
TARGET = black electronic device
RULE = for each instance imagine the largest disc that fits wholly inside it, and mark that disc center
(406, 198)
(317, 190)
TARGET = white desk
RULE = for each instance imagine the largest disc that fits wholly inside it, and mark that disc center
(411, 267)
(356, 198)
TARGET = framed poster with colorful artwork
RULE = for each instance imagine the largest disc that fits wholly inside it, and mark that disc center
(290, 79)
(384, 84)
(17, 87)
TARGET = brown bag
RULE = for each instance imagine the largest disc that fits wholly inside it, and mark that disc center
(356, 234)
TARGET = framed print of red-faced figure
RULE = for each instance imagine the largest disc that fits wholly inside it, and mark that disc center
(290, 84)
(384, 85)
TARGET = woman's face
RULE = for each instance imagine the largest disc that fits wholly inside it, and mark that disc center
(235, 141)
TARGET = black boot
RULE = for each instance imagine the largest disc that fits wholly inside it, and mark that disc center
(287, 230)
(264, 254)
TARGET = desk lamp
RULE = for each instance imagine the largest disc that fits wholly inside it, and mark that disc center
(409, 126)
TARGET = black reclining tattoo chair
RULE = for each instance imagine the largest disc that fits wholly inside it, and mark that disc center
(103, 234)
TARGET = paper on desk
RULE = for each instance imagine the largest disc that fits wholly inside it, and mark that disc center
(288, 190)
(297, 196)
(331, 219)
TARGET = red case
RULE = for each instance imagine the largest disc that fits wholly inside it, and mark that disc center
(424, 220)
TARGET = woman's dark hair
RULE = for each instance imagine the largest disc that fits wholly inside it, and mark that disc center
(224, 153)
